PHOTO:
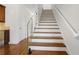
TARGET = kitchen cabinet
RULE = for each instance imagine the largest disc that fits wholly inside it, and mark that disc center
(2, 13)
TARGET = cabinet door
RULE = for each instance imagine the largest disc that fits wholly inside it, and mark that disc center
(2, 13)
(6, 37)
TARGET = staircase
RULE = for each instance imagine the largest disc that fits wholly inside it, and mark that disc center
(47, 38)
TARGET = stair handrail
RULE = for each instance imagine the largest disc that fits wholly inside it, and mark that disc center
(76, 34)
(28, 23)
(67, 21)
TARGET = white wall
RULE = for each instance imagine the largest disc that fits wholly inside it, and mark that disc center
(17, 17)
(47, 6)
(70, 12)
(12, 16)
(35, 13)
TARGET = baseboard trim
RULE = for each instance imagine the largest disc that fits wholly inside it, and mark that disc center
(13, 42)
(17, 42)
(68, 51)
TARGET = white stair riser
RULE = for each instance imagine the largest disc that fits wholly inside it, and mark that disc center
(48, 23)
(47, 30)
(46, 18)
(47, 48)
(47, 41)
(47, 35)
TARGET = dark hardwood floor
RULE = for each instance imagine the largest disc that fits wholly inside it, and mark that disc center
(48, 44)
(57, 38)
(38, 52)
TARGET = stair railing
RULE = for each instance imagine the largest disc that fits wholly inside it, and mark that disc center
(30, 28)
(29, 33)
(74, 30)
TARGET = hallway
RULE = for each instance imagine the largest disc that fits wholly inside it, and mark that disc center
(47, 38)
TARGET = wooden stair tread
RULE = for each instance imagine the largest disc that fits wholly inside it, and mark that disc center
(48, 44)
(38, 52)
(46, 28)
(38, 37)
(47, 25)
(49, 32)
(47, 22)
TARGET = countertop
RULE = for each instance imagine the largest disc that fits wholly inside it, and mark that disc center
(3, 26)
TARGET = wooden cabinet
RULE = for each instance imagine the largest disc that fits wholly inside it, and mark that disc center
(2, 13)
(4, 36)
